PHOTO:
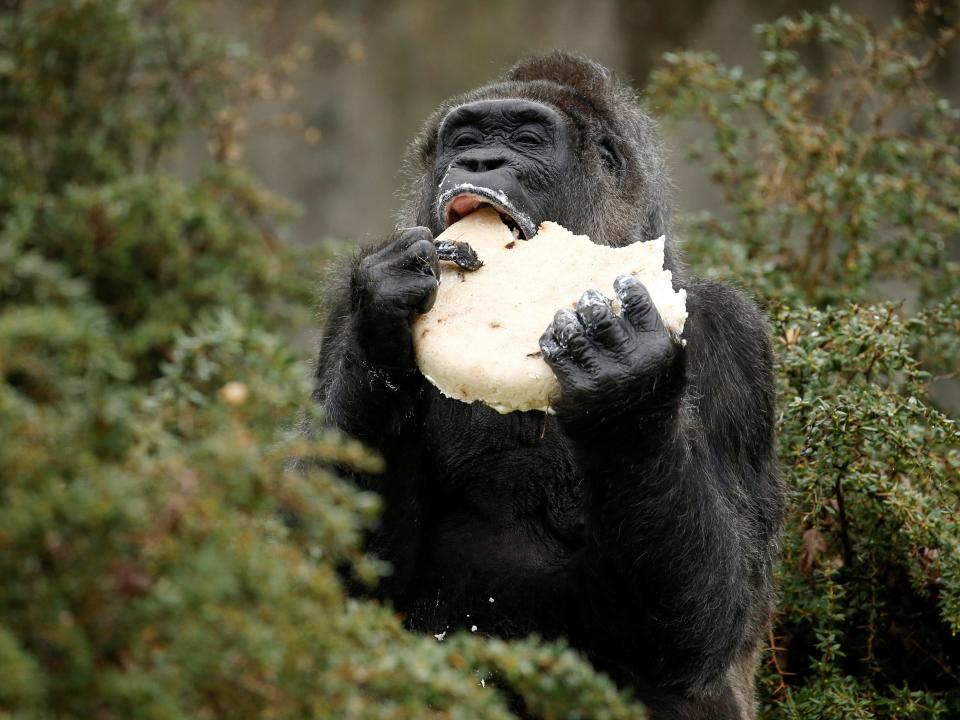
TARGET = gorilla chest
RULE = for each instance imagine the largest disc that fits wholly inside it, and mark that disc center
(507, 517)
(512, 511)
(502, 475)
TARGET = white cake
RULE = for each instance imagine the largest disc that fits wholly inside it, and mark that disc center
(480, 340)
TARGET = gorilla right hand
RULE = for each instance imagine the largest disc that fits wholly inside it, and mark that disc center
(388, 286)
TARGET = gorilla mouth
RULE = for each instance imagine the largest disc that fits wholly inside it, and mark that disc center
(458, 202)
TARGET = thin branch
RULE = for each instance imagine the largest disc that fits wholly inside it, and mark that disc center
(774, 649)
(841, 508)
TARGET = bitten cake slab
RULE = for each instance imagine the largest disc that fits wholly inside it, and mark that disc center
(480, 340)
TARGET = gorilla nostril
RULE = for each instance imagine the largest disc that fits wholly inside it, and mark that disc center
(475, 164)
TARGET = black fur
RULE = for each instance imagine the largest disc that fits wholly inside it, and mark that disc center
(641, 521)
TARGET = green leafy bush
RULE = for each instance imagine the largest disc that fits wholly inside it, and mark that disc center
(827, 198)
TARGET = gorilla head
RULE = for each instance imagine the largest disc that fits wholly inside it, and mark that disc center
(559, 138)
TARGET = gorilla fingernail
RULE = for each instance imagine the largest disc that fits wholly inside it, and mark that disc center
(565, 318)
(625, 282)
(567, 326)
(631, 291)
(549, 347)
(593, 298)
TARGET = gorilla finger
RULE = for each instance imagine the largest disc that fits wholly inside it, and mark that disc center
(549, 347)
(421, 257)
(592, 308)
(410, 292)
(599, 320)
(429, 299)
(460, 253)
(409, 236)
(611, 332)
(636, 304)
(422, 294)
(570, 334)
(592, 297)
(566, 325)
(554, 355)
(394, 248)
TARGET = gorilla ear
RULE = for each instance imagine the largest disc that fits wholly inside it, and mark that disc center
(612, 157)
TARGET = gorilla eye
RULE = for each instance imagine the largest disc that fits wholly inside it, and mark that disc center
(465, 140)
(528, 139)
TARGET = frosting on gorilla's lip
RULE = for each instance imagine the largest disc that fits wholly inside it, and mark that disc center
(465, 198)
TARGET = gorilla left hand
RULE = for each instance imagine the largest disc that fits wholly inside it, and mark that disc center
(613, 367)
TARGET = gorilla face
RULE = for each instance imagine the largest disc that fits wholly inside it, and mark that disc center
(511, 154)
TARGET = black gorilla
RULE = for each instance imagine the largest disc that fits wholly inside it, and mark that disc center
(641, 522)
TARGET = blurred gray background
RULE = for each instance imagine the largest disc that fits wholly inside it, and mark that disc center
(361, 77)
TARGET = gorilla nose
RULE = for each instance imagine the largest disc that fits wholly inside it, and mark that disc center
(480, 163)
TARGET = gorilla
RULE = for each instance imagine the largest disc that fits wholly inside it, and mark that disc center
(641, 521)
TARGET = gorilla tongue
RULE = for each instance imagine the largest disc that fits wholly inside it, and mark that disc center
(464, 204)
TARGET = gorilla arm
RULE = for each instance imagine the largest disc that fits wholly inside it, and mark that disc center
(676, 447)
(366, 376)
(367, 384)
